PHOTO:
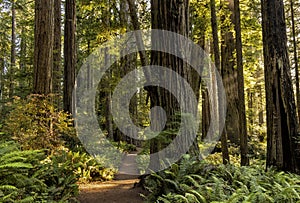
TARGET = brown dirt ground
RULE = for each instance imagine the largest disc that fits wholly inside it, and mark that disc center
(116, 191)
(120, 190)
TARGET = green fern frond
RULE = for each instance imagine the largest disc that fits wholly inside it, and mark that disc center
(16, 165)
(8, 187)
(198, 195)
(29, 199)
(191, 197)
(179, 198)
(172, 183)
(190, 179)
(163, 199)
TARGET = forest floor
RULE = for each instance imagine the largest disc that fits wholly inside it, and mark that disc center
(119, 190)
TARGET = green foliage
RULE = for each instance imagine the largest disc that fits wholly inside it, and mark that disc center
(31, 176)
(22, 75)
(193, 181)
(88, 168)
(36, 124)
(26, 176)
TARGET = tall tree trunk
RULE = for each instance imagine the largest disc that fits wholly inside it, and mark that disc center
(108, 91)
(69, 54)
(57, 52)
(163, 17)
(229, 75)
(13, 50)
(216, 49)
(295, 59)
(206, 114)
(240, 80)
(129, 61)
(43, 46)
(281, 109)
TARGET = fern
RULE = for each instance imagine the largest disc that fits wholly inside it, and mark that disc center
(190, 181)
(25, 176)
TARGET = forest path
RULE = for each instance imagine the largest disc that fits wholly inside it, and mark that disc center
(120, 190)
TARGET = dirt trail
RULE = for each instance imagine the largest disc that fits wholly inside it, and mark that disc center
(120, 190)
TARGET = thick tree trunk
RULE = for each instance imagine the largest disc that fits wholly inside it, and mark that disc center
(216, 49)
(43, 46)
(164, 18)
(281, 109)
(229, 75)
(240, 79)
(69, 54)
(295, 58)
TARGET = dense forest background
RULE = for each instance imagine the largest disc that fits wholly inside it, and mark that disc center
(254, 46)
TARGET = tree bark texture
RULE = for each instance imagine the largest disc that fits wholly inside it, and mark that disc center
(240, 80)
(295, 58)
(216, 50)
(43, 46)
(229, 75)
(281, 109)
(170, 15)
(69, 54)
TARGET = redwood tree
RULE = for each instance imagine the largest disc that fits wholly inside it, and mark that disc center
(43, 46)
(295, 57)
(229, 73)
(216, 51)
(281, 110)
(240, 79)
(170, 15)
(69, 53)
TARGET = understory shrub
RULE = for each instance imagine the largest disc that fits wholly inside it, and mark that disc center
(35, 123)
(42, 160)
(193, 181)
(89, 169)
(33, 176)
